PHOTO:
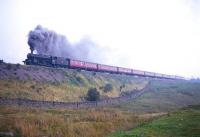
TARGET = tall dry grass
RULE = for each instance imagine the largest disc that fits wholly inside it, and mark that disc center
(98, 122)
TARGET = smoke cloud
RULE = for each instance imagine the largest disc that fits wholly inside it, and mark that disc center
(47, 42)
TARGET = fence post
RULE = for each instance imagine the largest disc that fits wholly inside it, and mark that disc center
(77, 104)
(53, 103)
(18, 101)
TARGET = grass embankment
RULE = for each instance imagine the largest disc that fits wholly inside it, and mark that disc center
(43, 83)
(98, 122)
(184, 123)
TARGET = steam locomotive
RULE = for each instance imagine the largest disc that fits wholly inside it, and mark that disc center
(51, 61)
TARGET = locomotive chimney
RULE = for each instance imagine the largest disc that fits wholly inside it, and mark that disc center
(32, 49)
(31, 46)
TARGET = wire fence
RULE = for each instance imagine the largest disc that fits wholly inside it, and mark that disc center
(86, 104)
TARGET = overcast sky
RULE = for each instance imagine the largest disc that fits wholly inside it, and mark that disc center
(155, 35)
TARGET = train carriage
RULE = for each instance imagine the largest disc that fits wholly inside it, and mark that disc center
(90, 66)
(158, 75)
(124, 70)
(149, 74)
(179, 77)
(82, 64)
(76, 64)
(165, 76)
(137, 72)
(173, 77)
(107, 68)
(168, 76)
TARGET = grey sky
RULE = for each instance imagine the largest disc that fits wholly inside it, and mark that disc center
(158, 35)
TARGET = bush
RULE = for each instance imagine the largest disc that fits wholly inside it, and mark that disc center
(93, 94)
(94, 73)
(122, 86)
(108, 88)
(8, 67)
(1, 61)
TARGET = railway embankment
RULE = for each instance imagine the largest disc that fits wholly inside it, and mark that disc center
(62, 85)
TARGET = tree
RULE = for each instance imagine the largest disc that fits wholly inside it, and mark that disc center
(93, 94)
(108, 87)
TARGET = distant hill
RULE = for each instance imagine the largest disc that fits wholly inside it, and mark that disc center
(165, 96)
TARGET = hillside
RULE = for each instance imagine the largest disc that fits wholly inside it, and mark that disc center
(59, 84)
(182, 123)
(165, 96)
(161, 97)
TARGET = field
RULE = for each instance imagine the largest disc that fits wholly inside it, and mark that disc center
(183, 123)
(162, 98)
(154, 112)
(96, 122)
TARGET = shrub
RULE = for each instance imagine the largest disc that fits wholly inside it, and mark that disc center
(8, 67)
(93, 94)
(94, 73)
(17, 66)
(81, 80)
(33, 86)
(1, 61)
(122, 86)
(108, 88)
(101, 87)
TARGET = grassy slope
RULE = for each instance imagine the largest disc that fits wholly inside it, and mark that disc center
(42, 83)
(184, 123)
(165, 96)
